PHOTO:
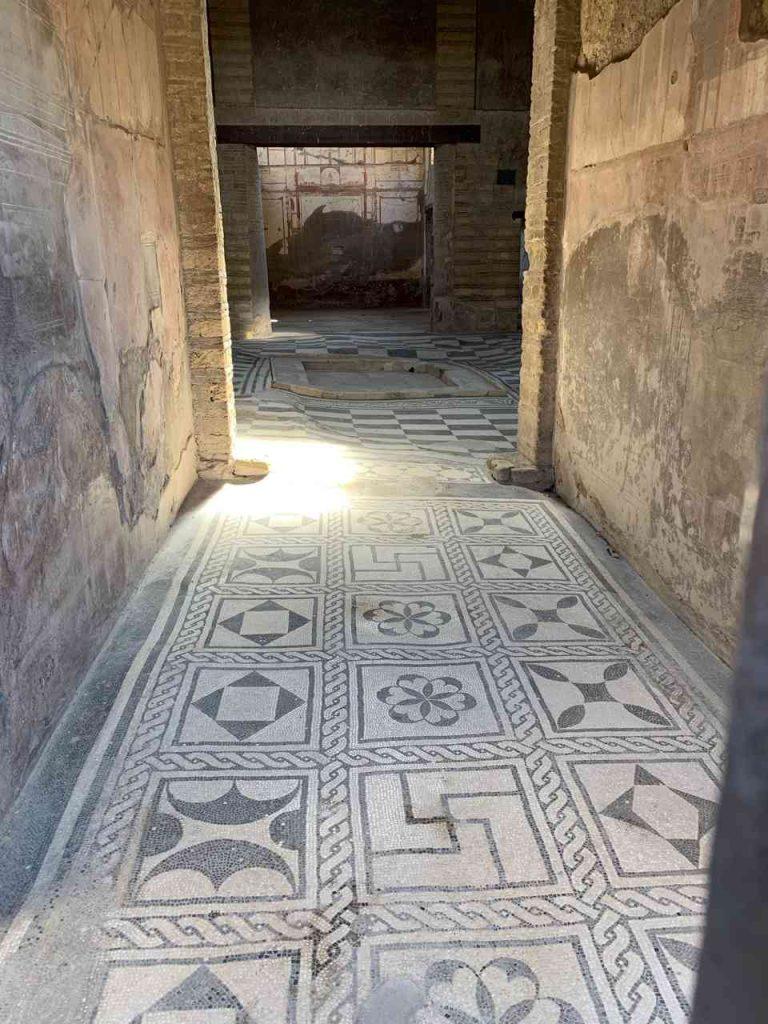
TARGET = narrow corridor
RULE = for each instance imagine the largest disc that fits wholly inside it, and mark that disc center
(398, 745)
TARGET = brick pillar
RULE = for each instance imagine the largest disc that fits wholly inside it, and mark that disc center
(442, 236)
(555, 52)
(454, 95)
(455, 67)
(190, 117)
(244, 245)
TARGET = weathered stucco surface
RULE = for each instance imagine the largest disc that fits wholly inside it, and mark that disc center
(754, 19)
(664, 306)
(96, 445)
(613, 29)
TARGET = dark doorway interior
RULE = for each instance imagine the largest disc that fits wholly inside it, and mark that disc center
(344, 226)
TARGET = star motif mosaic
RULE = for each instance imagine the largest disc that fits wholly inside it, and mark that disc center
(410, 756)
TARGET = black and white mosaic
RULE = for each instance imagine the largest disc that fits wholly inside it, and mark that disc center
(456, 426)
(406, 744)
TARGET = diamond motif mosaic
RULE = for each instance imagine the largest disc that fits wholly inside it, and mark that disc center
(406, 756)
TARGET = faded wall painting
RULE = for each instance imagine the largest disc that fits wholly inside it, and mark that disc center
(343, 226)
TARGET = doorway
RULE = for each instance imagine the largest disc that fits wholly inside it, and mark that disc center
(344, 226)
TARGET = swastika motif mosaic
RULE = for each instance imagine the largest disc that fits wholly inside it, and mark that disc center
(407, 744)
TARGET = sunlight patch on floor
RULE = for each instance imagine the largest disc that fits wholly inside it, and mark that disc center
(304, 477)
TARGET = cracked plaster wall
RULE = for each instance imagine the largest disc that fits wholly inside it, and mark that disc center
(96, 444)
(613, 29)
(663, 336)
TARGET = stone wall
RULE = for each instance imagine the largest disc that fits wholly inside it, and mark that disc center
(186, 51)
(444, 61)
(664, 305)
(96, 442)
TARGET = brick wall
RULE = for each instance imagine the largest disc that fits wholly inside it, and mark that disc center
(477, 232)
(455, 59)
(476, 249)
(555, 51)
(247, 288)
(477, 237)
(230, 35)
(190, 117)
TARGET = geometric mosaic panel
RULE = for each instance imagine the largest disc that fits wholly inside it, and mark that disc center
(408, 563)
(222, 989)
(282, 524)
(402, 702)
(654, 819)
(500, 977)
(228, 839)
(595, 695)
(547, 618)
(515, 562)
(423, 618)
(264, 706)
(409, 522)
(423, 833)
(270, 564)
(260, 622)
(511, 523)
(673, 949)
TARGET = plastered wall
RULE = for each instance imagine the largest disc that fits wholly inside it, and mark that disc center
(663, 337)
(96, 443)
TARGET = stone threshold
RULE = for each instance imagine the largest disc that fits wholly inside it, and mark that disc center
(515, 469)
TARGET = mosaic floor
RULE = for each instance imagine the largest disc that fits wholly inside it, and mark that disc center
(387, 760)
(443, 425)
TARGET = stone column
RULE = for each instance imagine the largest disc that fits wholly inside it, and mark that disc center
(442, 236)
(555, 52)
(192, 132)
(262, 319)
(246, 254)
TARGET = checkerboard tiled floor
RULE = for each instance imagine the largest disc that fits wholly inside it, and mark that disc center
(457, 426)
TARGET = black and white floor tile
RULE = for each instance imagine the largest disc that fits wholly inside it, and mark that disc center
(497, 354)
(452, 426)
(413, 754)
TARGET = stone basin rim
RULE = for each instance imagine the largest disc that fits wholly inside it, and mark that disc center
(452, 380)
